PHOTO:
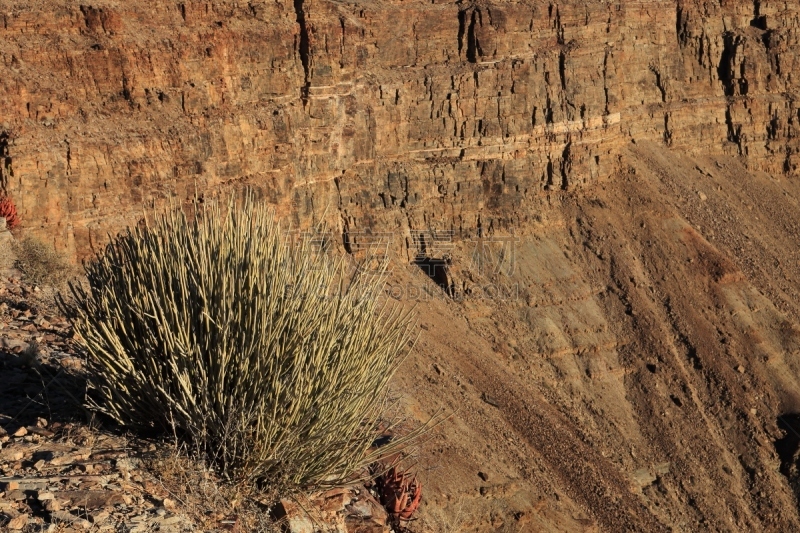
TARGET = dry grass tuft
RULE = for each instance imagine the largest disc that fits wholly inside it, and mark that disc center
(451, 519)
(207, 500)
(41, 263)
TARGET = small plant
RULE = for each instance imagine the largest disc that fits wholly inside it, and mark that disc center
(400, 493)
(9, 211)
(271, 359)
(40, 262)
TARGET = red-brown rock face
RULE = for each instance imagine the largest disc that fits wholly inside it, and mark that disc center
(387, 115)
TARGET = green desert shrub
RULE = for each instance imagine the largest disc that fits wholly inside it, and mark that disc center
(216, 326)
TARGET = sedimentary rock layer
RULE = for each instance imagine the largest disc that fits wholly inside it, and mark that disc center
(376, 115)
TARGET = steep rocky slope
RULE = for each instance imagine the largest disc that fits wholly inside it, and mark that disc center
(641, 376)
(610, 186)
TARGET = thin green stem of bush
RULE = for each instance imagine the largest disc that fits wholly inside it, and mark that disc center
(267, 355)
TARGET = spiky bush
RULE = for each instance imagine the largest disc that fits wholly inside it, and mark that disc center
(271, 358)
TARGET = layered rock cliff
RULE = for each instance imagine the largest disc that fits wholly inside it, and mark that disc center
(643, 377)
(383, 116)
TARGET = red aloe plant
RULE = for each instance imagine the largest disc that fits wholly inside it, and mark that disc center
(400, 493)
(9, 211)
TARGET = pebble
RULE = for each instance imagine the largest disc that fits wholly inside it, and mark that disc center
(360, 508)
(52, 505)
(18, 523)
(99, 517)
(16, 495)
(490, 400)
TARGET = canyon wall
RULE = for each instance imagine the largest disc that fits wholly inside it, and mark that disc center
(384, 116)
(640, 378)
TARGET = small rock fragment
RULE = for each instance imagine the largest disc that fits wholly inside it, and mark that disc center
(18, 523)
(490, 400)
(740, 369)
(643, 477)
(296, 519)
(11, 455)
(483, 475)
(99, 517)
(15, 496)
(662, 468)
(361, 509)
(52, 505)
(61, 460)
(21, 432)
(72, 363)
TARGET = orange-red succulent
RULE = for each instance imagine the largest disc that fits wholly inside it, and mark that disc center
(9, 211)
(400, 493)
